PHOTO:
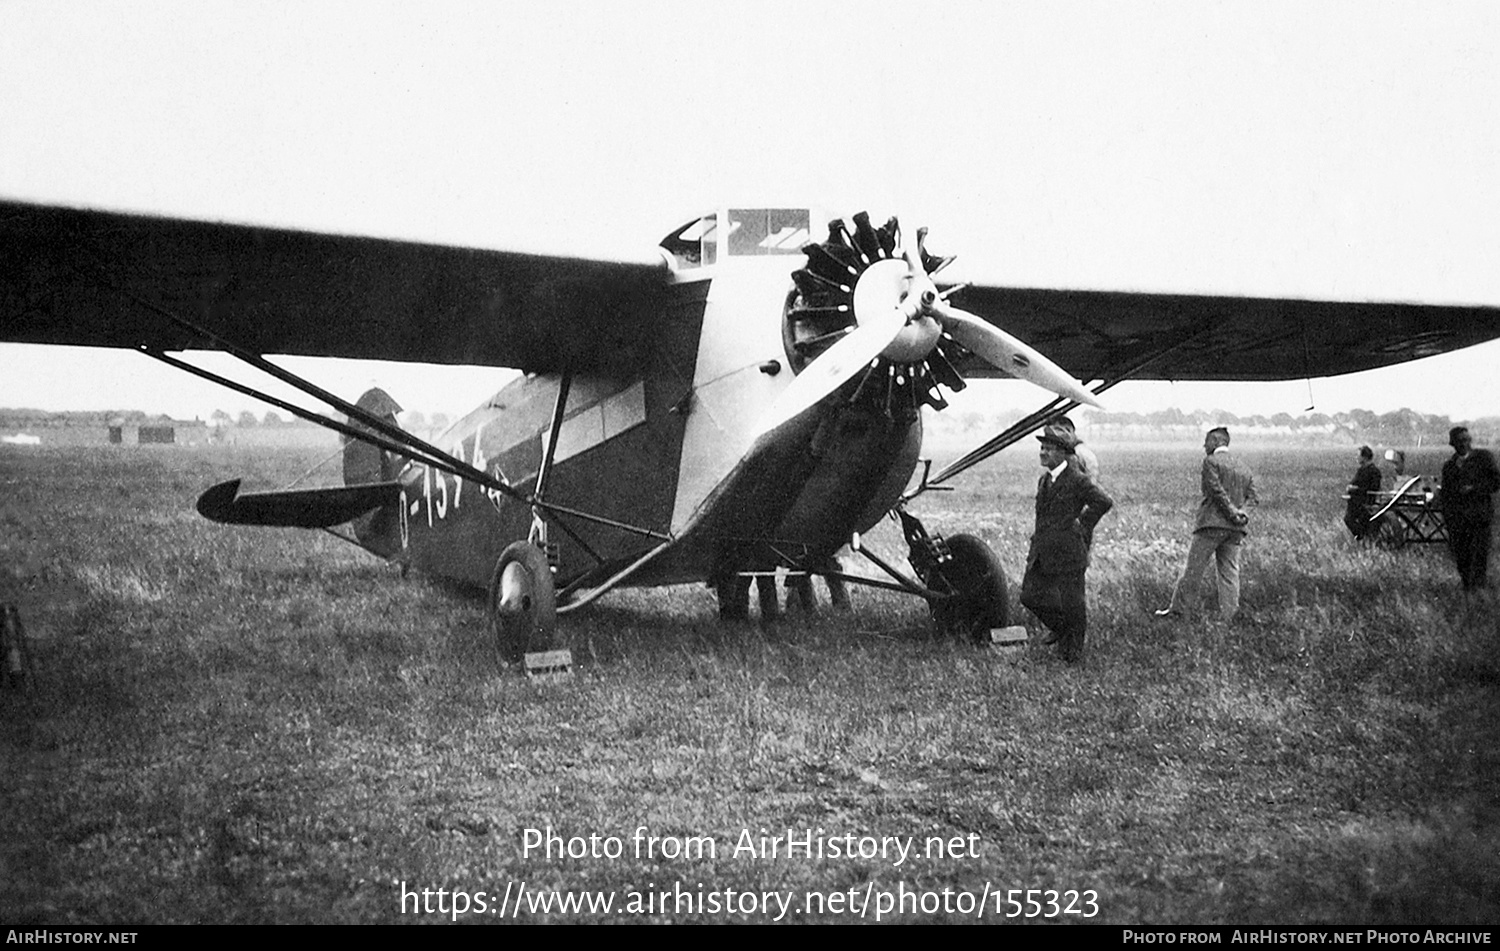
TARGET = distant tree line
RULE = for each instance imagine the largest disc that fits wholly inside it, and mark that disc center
(414, 421)
(41, 418)
(1399, 427)
(1402, 426)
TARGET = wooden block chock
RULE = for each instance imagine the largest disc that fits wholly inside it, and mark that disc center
(549, 667)
(1013, 636)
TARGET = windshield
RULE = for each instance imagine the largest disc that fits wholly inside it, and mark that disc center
(767, 231)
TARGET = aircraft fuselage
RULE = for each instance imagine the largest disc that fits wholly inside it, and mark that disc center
(660, 453)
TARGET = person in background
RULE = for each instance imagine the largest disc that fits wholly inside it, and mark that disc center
(1220, 526)
(801, 596)
(1470, 480)
(1361, 492)
(1083, 457)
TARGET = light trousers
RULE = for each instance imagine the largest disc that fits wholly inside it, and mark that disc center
(1223, 546)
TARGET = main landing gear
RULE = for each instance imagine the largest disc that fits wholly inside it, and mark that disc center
(523, 603)
(966, 570)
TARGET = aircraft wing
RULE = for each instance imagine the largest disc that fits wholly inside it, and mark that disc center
(1104, 334)
(97, 278)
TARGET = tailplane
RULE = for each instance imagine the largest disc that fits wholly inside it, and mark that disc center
(369, 500)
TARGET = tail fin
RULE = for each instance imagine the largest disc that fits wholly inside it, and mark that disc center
(379, 531)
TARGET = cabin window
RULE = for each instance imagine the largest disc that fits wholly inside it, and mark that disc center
(694, 244)
(604, 420)
(767, 231)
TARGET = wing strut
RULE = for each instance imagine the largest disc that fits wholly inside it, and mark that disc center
(410, 449)
(425, 452)
(1032, 422)
(544, 476)
(387, 437)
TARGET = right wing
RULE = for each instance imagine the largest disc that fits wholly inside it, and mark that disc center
(1100, 334)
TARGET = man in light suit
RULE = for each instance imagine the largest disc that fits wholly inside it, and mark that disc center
(1219, 528)
(1083, 457)
(1068, 506)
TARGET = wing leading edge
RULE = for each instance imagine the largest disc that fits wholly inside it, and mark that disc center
(96, 278)
(1104, 334)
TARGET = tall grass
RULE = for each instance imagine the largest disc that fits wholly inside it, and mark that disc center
(250, 725)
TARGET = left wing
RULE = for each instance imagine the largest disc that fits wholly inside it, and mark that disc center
(1102, 334)
(97, 278)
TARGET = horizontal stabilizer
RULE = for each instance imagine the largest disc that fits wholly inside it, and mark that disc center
(296, 508)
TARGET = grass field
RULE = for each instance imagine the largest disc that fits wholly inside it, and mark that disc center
(242, 725)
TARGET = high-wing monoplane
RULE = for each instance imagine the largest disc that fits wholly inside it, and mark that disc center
(744, 398)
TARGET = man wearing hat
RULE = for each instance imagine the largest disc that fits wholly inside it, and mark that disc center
(1068, 506)
(1219, 528)
(1466, 496)
(1360, 492)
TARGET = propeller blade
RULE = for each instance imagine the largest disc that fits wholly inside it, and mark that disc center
(1009, 355)
(836, 366)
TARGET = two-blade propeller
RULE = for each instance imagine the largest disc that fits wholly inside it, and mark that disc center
(900, 315)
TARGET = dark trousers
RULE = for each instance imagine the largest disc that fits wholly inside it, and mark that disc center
(1358, 521)
(1469, 540)
(1057, 599)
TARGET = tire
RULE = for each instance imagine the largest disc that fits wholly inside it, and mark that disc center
(523, 603)
(982, 600)
(1387, 533)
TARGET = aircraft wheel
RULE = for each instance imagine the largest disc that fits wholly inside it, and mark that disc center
(1387, 533)
(982, 601)
(523, 603)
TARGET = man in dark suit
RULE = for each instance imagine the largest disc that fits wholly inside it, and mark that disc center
(1068, 506)
(1466, 496)
(1361, 492)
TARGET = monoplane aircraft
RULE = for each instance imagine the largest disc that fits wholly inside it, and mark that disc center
(745, 397)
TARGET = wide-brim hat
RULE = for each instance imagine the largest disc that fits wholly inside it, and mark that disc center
(1055, 435)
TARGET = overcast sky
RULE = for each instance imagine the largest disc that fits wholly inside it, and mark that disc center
(1343, 150)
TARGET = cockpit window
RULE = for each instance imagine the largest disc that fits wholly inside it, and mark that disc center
(694, 244)
(767, 231)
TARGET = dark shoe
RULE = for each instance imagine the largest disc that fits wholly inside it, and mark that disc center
(1049, 640)
(1167, 612)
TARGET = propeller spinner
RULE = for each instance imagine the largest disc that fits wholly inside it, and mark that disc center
(865, 307)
